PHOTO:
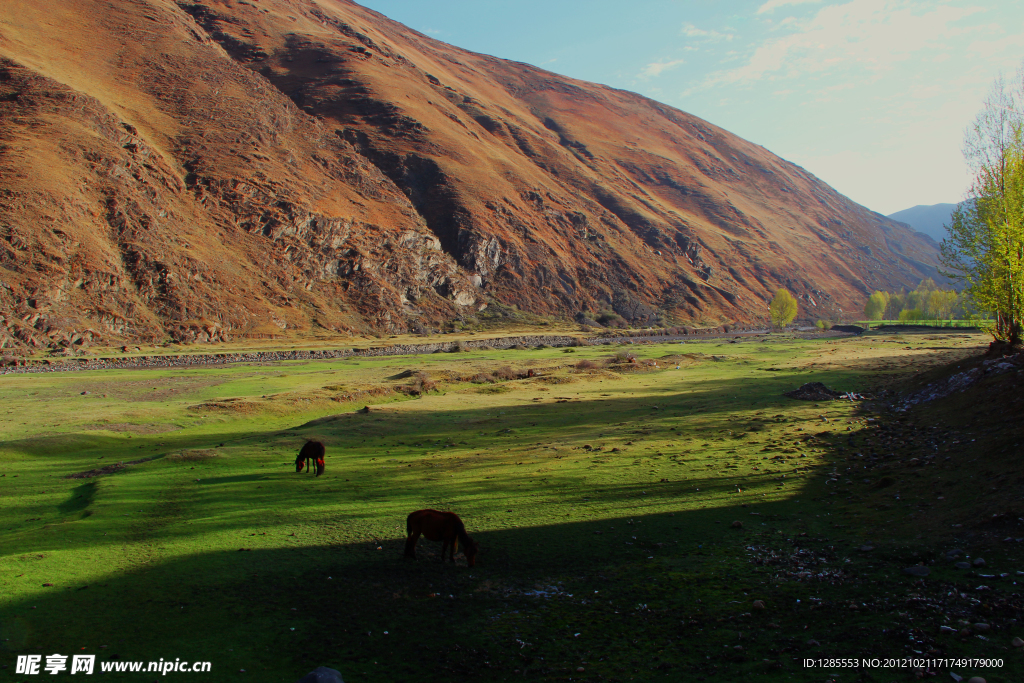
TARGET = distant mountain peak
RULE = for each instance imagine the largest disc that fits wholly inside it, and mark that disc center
(929, 219)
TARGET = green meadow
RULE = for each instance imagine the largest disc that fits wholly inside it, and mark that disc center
(670, 516)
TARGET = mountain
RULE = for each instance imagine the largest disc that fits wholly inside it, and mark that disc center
(209, 168)
(929, 219)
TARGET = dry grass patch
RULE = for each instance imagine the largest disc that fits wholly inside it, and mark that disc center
(194, 455)
(133, 428)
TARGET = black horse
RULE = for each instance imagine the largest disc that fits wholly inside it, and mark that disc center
(312, 450)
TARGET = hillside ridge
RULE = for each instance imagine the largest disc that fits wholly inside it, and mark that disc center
(214, 168)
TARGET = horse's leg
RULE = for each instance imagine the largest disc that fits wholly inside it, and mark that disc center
(444, 548)
(410, 545)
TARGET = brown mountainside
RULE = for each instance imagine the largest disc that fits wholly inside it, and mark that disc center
(200, 168)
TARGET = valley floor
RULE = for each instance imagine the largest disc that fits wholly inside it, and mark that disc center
(645, 512)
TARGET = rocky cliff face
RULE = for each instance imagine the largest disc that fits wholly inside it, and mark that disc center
(221, 167)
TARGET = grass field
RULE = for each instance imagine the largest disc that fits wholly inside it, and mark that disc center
(630, 514)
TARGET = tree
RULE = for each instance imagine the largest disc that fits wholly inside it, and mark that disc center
(985, 247)
(875, 308)
(940, 304)
(782, 308)
(894, 305)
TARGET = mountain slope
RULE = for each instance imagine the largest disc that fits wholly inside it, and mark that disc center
(930, 219)
(213, 167)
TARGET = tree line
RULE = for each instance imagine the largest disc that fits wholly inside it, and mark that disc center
(927, 301)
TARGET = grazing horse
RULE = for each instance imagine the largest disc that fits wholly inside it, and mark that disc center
(439, 526)
(315, 451)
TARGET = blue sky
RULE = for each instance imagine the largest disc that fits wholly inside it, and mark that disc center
(872, 96)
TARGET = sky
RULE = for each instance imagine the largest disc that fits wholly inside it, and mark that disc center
(871, 96)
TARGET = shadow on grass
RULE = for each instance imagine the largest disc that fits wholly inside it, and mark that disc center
(645, 593)
(376, 616)
(80, 499)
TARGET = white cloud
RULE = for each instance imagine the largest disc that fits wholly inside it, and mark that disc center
(870, 95)
(691, 31)
(655, 69)
(872, 35)
(772, 5)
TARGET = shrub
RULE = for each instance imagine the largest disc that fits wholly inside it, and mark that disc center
(421, 384)
(611, 319)
(505, 373)
(586, 365)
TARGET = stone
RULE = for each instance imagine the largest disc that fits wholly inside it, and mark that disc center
(866, 548)
(981, 628)
(962, 565)
(1017, 642)
(813, 643)
(979, 562)
(975, 679)
(758, 604)
(580, 669)
(954, 553)
(737, 525)
(917, 570)
(322, 675)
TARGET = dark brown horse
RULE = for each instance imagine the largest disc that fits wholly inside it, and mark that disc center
(439, 526)
(312, 450)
